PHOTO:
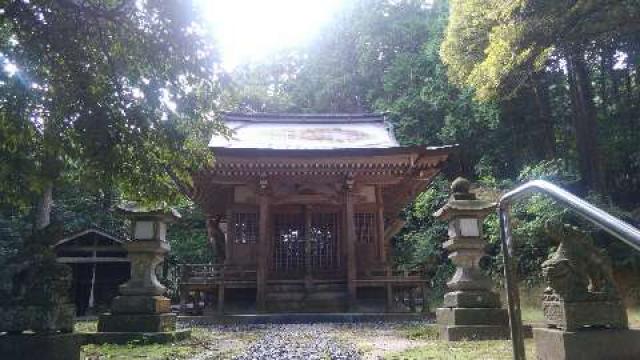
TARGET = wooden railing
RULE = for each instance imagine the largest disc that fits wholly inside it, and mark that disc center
(213, 273)
(389, 273)
(190, 273)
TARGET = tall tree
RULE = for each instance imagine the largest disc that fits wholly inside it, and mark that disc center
(498, 47)
(115, 93)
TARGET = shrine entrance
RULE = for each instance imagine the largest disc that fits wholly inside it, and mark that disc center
(306, 243)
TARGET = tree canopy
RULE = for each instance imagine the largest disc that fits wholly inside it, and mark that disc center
(110, 94)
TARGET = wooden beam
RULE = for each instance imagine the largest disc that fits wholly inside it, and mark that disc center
(350, 242)
(91, 260)
(110, 248)
(263, 246)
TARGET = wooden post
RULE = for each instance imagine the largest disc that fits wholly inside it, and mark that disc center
(388, 289)
(412, 299)
(221, 298)
(425, 299)
(228, 245)
(308, 282)
(350, 241)
(263, 247)
(382, 249)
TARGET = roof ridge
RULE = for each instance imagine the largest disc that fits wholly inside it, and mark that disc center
(304, 117)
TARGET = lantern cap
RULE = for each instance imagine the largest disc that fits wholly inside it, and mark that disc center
(463, 202)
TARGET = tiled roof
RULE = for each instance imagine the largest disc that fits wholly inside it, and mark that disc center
(305, 131)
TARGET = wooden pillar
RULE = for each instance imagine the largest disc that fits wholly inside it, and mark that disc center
(425, 299)
(228, 244)
(382, 247)
(412, 299)
(388, 290)
(184, 294)
(350, 242)
(308, 281)
(263, 247)
(221, 298)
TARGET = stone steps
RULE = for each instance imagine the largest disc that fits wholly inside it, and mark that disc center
(298, 298)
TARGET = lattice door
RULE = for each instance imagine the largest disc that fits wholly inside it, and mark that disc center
(324, 232)
(289, 244)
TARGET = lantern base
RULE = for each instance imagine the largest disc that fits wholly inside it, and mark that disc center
(458, 324)
(155, 323)
(141, 305)
(471, 299)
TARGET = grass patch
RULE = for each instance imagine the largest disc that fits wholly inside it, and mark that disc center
(85, 326)
(532, 314)
(422, 332)
(463, 350)
(136, 351)
(202, 340)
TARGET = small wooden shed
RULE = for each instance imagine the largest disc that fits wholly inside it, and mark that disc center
(99, 264)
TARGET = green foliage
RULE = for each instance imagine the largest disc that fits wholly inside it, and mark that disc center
(188, 238)
(108, 94)
(494, 46)
(419, 244)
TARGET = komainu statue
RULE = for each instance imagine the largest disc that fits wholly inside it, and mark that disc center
(34, 288)
(580, 288)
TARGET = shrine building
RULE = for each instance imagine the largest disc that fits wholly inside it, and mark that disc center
(301, 209)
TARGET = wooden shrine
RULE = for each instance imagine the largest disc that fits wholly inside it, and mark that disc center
(301, 210)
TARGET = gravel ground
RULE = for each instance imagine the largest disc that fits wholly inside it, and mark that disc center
(300, 341)
(311, 341)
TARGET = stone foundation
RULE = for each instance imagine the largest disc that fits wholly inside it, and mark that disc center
(473, 332)
(144, 323)
(123, 338)
(571, 316)
(458, 324)
(40, 347)
(591, 344)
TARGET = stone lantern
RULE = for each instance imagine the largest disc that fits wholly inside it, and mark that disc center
(141, 307)
(471, 308)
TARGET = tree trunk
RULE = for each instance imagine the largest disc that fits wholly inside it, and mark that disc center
(547, 134)
(585, 121)
(43, 210)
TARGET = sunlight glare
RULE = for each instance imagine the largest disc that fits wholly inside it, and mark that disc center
(10, 68)
(248, 30)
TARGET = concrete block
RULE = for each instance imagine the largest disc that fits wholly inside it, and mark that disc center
(480, 316)
(589, 344)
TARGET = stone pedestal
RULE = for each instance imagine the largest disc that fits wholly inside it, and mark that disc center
(592, 344)
(577, 315)
(471, 310)
(141, 307)
(472, 324)
(41, 346)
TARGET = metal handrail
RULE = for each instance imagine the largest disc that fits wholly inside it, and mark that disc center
(614, 226)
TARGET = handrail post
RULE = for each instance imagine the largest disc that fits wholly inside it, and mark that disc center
(511, 282)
